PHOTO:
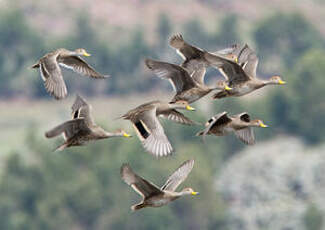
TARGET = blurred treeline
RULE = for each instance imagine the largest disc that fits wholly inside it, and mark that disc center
(81, 188)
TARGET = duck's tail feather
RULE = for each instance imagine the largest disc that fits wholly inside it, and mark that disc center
(137, 207)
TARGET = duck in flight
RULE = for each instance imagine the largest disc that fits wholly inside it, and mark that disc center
(148, 128)
(152, 195)
(240, 124)
(188, 87)
(49, 66)
(241, 75)
(81, 128)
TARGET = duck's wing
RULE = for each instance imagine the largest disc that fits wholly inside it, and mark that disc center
(141, 186)
(52, 77)
(244, 117)
(199, 74)
(78, 65)
(233, 72)
(185, 50)
(178, 176)
(81, 109)
(68, 128)
(178, 117)
(151, 133)
(246, 135)
(178, 76)
(217, 120)
(230, 52)
(248, 59)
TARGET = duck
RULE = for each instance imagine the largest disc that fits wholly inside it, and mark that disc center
(194, 58)
(144, 119)
(152, 195)
(186, 88)
(49, 66)
(81, 129)
(241, 75)
(240, 124)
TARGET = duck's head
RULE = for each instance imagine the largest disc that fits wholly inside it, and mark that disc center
(258, 123)
(232, 57)
(82, 52)
(121, 133)
(189, 191)
(222, 85)
(276, 80)
(181, 105)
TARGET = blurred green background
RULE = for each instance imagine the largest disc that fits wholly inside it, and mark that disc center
(277, 184)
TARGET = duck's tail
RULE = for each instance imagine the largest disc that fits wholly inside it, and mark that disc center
(61, 147)
(35, 66)
(137, 206)
(199, 133)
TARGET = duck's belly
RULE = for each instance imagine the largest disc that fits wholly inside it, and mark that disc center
(79, 141)
(243, 90)
(221, 131)
(158, 202)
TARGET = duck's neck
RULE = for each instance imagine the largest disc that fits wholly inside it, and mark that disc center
(269, 82)
(108, 135)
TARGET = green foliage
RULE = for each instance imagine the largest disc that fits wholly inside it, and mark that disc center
(81, 187)
(313, 219)
(281, 39)
(228, 32)
(18, 43)
(299, 108)
(163, 30)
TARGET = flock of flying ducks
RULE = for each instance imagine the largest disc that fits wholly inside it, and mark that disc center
(237, 64)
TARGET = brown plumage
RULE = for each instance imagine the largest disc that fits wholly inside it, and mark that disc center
(51, 74)
(240, 124)
(194, 57)
(82, 128)
(241, 76)
(187, 89)
(152, 195)
(148, 128)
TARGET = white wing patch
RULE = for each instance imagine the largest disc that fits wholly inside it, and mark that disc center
(173, 85)
(180, 54)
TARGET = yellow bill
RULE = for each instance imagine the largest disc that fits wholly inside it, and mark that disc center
(190, 108)
(194, 193)
(281, 82)
(228, 88)
(126, 135)
(86, 54)
(263, 125)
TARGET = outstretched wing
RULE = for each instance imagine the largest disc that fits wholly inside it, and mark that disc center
(52, 77)
(215, 121)
(231, 70)
(141, 186)
(78, 65)
(179, 77)
(230, 53)
(151, 133)
(178, 117)
(178, 176)
(185, 50)
(81, 109)
(248, 60)
(68, 129)
(246, 135)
